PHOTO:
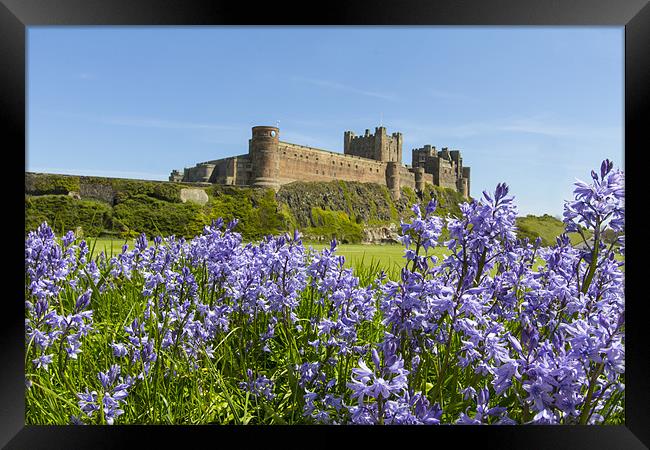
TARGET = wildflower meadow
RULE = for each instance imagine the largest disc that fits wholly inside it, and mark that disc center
(213, 330)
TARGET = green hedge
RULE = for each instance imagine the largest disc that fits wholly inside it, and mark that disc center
(256, 209)
(334, 225)
(50, 184)
(142, 214)
(63, 213)
(125, 189)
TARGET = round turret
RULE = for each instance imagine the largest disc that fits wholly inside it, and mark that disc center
(393, 179)
(419, 178)
(265, 157)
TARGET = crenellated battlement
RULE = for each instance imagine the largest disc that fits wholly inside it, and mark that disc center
(446, 167)
(378, 145)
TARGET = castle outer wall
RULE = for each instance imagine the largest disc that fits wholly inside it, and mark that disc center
(301, 163)
(372, 158)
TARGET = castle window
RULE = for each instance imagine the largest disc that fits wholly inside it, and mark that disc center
(272, 133)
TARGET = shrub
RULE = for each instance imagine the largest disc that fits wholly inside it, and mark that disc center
(448, 200)
(364, 203)
(125, 189)
(337, 225)
(546, 227)
(256, 210)
(143, 214)
(65, 213)
(50, 184)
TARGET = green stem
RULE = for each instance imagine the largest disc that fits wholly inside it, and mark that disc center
(594, 260)
(592, 384)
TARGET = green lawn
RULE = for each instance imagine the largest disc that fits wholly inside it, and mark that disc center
(389, 256)
(110, 246)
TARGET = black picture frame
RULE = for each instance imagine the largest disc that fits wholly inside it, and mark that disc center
(17, 15)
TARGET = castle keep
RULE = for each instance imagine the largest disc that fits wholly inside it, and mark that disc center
(371, 158)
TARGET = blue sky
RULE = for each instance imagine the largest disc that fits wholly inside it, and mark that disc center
(536, 107)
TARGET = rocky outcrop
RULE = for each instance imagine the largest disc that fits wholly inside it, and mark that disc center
(97, 191)
(193, 195)
(381, 235)
(362, 202)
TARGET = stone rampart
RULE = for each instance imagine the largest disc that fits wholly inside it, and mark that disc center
(406, 178)
(302, 163)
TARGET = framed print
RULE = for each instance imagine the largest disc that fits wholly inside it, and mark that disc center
(251, 222)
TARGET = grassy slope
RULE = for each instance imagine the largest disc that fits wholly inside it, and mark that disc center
(547, 227)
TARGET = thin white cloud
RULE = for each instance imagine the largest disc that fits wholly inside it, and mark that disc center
(424, 132)
(144, 122)
(148, 122)
(345, 88)
(535, 126)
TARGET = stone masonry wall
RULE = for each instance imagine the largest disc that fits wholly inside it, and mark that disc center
(224, 171)
(447, 174)
(378, 146)
(406, 178)
(301, 163)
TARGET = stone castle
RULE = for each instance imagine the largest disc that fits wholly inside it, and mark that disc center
(371, 158)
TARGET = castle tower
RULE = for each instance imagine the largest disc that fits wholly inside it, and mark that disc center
(265, 156)
(381, 144)
(378, 146)
(419, 178)
(176, 176)
(397, 142)
(466, 176)
(393, 179)
(348, 136)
